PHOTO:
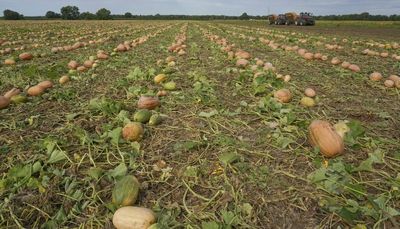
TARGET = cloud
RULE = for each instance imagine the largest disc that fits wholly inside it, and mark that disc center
(232, 7)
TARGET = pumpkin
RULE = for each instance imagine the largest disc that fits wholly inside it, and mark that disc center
(324, 58)
(63, 79)
(308, 56)
(309, 92)
(345, 64)
(45, 84)
(81, 68)
(73, 64)
(384, 54)
(9, 62)
(159, 78)
(13, 92)
(181, 52)
(397, 83)
(335, 61)
(389, 83)
(260, 63)
(162, 93)
(242, 63)
(242, 54)
(170, 59)
(318, 55)
(132, 131)
(148, 102)
(283, 95)
(323, 135)
(121, 48)
(133, 218)
(354, 68)
(170, 86)
(375, 76)
(301, 52)
(125, 191)
(287, 78)
(4, 102)
(88, 63)
(102, 56)
(307, 102)
(35, 90)
(394, 78)
(25, 56)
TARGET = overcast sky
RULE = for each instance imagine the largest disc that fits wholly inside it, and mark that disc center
(226, 7)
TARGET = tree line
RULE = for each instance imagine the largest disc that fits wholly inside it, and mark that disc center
(72, 13)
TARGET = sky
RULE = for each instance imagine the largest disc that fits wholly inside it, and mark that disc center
(207, 7)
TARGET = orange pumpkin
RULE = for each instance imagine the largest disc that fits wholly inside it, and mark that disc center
(323, 135)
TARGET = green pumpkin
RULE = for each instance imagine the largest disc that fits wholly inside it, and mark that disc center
(17, 99)
(126, 191)
(170, 86)
(155, 119)
(142, 116)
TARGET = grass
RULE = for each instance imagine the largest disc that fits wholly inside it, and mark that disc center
(227, 154)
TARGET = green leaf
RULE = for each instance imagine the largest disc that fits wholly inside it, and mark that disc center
(318, 175)
(95, 172)
(228, 157)
(284, 141)
(118, 171)
(115, 135)
(210, 225)
(57, 156)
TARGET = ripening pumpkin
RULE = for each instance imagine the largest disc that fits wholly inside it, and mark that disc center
(309, 92)
(25, 56)
(133, 218)
(242, 63)
(335, 61)
(133, 131)
(283, 95)
(35, 90)
(45, 84)
(389, 83)
(354, 68)
(148, 102)
(9, 62)
(13, 92)
(375, 76)
(126, 191)
(88, 63)
(308, 56)
(63, 79)
(323, 135)
(345, 64)
(394, 78)
(4, 102)
(160, 78)
(73, 64)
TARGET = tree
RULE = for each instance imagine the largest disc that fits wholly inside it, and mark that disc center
(87, 16)
(12, 15)
(51, 14)
(128, 15)
(70, 12)
(103, 14)
(244, 16)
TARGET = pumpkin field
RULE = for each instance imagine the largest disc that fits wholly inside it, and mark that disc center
(209, 125)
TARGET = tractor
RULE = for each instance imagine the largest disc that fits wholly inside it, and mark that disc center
(305, 19)
(272, 19)
(281, 19)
